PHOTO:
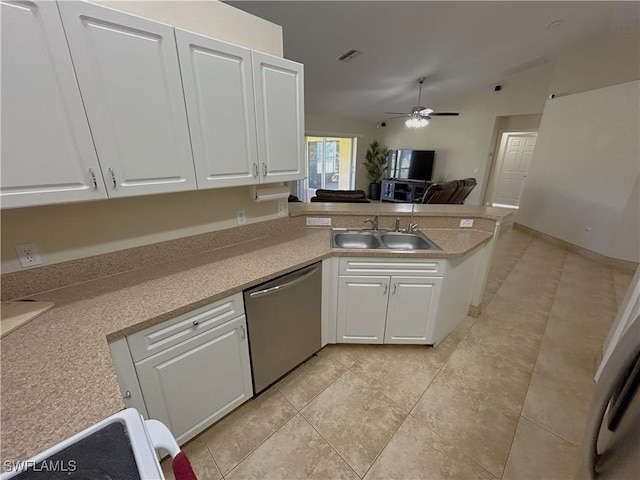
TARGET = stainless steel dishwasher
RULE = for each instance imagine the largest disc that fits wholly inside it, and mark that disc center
(283, 319)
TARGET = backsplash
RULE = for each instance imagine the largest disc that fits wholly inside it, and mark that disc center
(35, 280)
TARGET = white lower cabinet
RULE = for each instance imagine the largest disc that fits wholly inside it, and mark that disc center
(190, 371)
(191, 385)
(362, 309)
(377, 308)
(412, 308)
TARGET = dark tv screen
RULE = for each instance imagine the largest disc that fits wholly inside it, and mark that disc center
(407, 164)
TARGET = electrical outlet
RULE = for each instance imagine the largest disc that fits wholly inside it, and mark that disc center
(318, 222)
(466, 223)
(241, 217)
(28, 255)
(282, 208)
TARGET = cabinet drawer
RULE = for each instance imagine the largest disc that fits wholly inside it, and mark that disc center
(167, 334)
(392, 266)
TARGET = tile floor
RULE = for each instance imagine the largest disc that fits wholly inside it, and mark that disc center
(503, 397)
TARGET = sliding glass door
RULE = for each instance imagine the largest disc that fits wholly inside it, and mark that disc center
(330, 165)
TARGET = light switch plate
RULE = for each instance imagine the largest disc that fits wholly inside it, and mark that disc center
(241, 217)
(466, 223)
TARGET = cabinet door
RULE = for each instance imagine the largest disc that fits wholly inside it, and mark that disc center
(130, 81)
(413, 303)
(362, 309)
(279, 96)
(47, 150)
(218, 89)
(191, 385)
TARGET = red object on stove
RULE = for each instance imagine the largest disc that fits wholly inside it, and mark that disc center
(182, 467)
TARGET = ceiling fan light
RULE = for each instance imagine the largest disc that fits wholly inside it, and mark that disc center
(418, 122)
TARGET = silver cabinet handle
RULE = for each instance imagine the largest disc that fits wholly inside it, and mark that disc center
(243, 333)
(126, 395)
(93, 179)
(255, 170)
(395, 287)
(113, 178)
(386, 287)
(264, 169)
(196, 323)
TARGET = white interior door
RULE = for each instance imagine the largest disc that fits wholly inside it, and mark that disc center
(516, 151)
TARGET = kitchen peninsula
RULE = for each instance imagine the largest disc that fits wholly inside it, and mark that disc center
(57, 372)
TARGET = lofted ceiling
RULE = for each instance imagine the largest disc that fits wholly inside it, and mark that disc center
(458, 46)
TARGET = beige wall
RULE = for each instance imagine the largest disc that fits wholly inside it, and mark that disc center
(463, 144)
(66, 232)
(583, 186)
(583, 183)
(600, 62)
(364, 131)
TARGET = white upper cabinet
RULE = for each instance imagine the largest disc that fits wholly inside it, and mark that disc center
(47, 151)
(129, 77)
(218, 89)
(279, 95)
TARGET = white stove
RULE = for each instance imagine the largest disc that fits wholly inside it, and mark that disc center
(120, 447)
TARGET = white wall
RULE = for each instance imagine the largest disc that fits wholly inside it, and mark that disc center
(584, 172)
(463, 144)
(366, 133)
(67, 232)
(583, 182)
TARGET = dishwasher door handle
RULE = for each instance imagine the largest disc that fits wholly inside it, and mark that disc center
(277, 288)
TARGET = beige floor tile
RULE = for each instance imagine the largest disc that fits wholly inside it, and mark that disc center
(415, 451)
(233, 437)
(560, 407)
(508, 311)
(568, 359)
(355, 418)
(402, 372)
(295, 451)
(440, 354)
(539, 454)
(527, 299)
(516, 344)
(469, 420)
(301, 386)
(345, 353)
(201, 461)
(497, 376)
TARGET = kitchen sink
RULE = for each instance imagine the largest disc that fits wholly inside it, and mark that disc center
(406, 241)
(376, 239)
(356, 239)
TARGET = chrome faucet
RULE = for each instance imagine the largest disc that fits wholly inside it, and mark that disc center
(412, 227)
(373, 222)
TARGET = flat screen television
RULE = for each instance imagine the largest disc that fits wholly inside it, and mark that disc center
(404, 164)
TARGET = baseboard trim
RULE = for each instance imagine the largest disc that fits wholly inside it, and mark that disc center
(610, 261)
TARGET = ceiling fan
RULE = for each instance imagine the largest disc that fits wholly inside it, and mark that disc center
(419, 116)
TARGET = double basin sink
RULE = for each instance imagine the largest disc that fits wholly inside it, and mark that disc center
(375, 239)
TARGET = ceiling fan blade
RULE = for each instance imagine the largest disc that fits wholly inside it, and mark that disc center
(444, 114)
(399, 116)
(396, 113)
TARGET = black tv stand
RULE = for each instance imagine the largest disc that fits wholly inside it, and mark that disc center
(403, 191)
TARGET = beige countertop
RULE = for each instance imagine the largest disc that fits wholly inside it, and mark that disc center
(57, 375)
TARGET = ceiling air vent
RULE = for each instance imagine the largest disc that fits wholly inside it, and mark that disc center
(346, 56)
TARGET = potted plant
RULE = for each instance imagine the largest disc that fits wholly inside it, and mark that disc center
(376, 163)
